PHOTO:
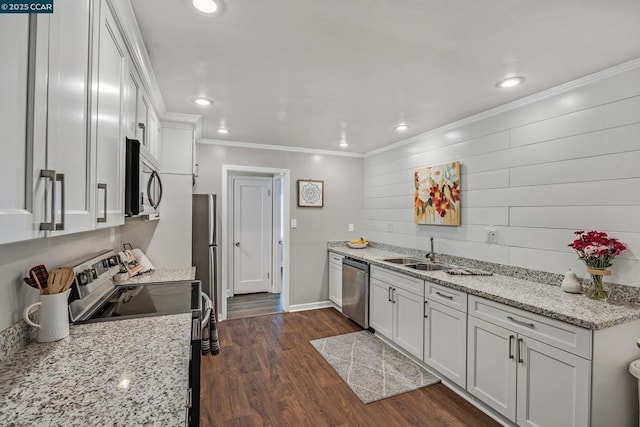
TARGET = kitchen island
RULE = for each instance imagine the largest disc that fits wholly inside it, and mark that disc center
(124, 373)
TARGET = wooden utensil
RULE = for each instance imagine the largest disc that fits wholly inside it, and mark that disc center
(40, 277)
(34, 276)
(59, 278)
(71, 277)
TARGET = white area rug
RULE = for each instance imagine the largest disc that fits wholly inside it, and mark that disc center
(372, 369)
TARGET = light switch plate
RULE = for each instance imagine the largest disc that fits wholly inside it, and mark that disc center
(294, 223)
(350, 227)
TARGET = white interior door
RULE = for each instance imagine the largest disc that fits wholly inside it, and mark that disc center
(252, 222)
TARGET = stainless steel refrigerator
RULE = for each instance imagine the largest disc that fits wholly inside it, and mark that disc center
(204, 252)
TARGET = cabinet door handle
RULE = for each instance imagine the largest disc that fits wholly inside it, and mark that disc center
(144, 133)
(520, 359)
(425, 309)
(521, 323)
(444, 295)
(389, 296)
(60, 179)
(393, 295)
(103, 218)
(511, 337)
(189, 402)
(50, 175)
(155, 196)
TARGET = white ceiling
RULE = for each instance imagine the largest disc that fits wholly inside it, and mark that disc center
(300, 72)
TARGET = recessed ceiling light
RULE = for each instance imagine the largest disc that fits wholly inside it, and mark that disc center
(204, 102)
(510, 82)
(205, 6)
(343, 143)
(401, 127)
(223, 131)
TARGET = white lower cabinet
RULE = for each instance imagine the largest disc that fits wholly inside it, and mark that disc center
(380, 307)
(407, 321)
(445, 341)
(335, 279)
(491, 366)
(394, 311)
(553, 386)
(528, 382)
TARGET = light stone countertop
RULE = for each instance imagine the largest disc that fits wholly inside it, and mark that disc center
(541, 298)
(162, 275)
(114, 373)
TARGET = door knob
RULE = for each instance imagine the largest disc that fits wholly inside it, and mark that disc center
(237, 244)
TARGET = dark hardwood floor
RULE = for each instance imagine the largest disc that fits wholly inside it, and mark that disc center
(268, 373)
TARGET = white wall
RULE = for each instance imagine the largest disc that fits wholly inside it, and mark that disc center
(17, 258)
(537, 172)
(308, 247)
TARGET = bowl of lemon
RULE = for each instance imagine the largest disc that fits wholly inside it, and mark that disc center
(358, 244)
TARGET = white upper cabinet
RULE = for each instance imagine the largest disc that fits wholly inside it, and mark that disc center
(19, 219)
(112, 73)
(143, 119)
(46, 168)
(153, 129)
(130, 114)
(69, 148)
(69, 98)
(139, 119)
(177, 148)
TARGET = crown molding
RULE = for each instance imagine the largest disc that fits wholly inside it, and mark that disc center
(513, 105)
(193, 120)
(256, 146)
(126, 19)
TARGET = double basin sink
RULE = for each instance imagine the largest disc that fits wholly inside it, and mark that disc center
(416, 264)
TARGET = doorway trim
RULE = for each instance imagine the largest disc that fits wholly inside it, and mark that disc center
(227, 171)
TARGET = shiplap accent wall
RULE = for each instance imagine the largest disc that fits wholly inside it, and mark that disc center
(537, 172)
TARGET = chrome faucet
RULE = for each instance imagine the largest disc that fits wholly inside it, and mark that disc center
(431, 255)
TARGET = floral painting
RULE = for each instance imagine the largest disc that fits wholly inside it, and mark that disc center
(436, 199)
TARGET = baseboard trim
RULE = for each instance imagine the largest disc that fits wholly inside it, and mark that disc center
(310, 306)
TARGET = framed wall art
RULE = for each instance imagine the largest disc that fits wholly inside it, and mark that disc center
(310, 193)
(436, 198)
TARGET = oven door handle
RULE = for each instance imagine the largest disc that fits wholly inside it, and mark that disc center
(208, 305)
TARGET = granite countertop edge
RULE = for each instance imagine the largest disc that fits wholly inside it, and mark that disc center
(627, 314)
(162, 275)
(36, 380)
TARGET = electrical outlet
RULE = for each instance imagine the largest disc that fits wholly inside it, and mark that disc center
(492, 234)
(390, 227)
(350, 227)
(112, 234)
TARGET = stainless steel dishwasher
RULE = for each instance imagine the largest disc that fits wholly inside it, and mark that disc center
(355, 291)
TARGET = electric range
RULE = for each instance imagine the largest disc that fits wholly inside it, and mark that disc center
(95, 297)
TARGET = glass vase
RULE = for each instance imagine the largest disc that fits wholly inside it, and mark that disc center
(594, 286)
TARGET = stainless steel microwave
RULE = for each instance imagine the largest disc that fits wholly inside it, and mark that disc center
(143, 185)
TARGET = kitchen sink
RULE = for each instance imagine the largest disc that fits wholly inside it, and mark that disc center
(426, 266)
(402, 261)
